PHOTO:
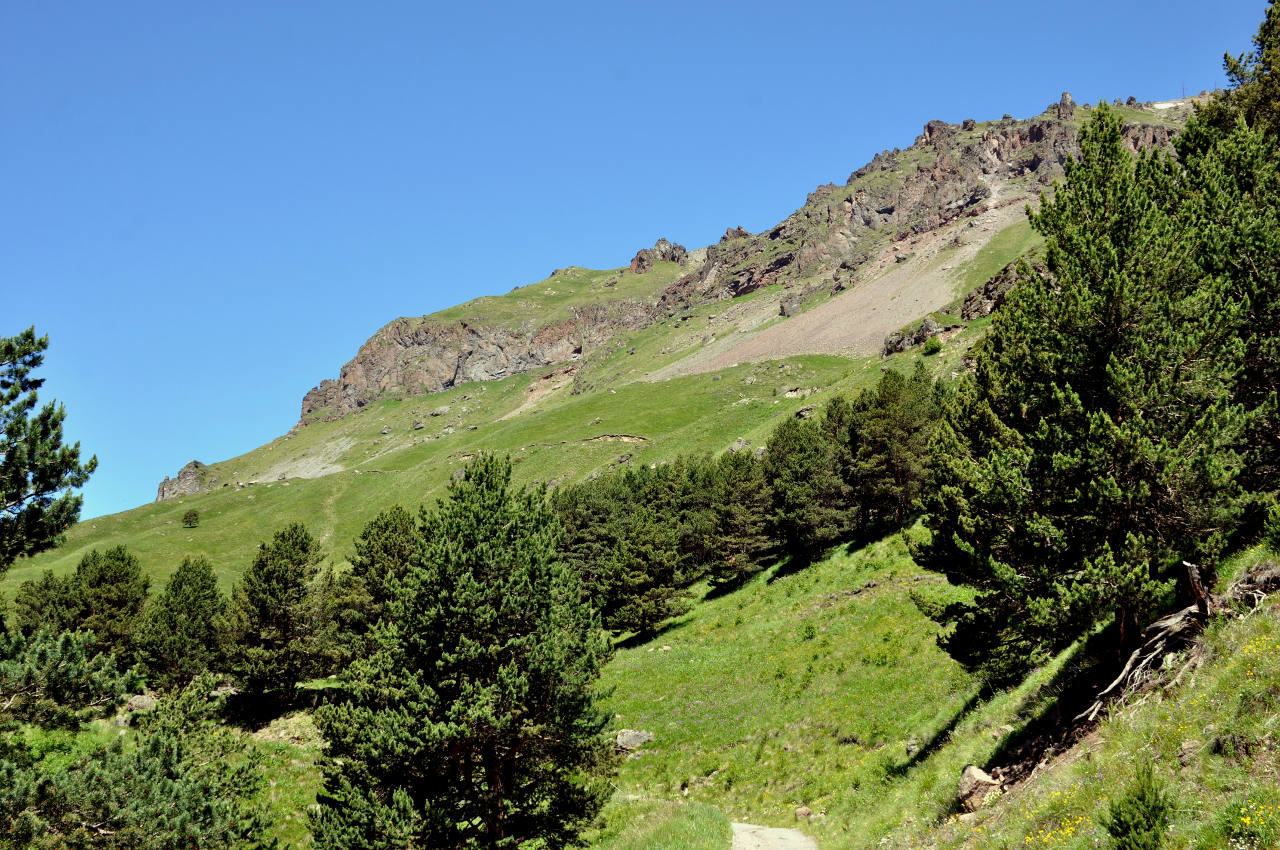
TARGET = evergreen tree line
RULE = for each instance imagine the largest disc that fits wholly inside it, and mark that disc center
(286, 621)
(1122, 422)
(640, 536)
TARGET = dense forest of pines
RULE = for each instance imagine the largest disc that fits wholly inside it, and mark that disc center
(1122, 421)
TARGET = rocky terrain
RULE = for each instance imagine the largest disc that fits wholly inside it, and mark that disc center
(872, 229)
(188, 482)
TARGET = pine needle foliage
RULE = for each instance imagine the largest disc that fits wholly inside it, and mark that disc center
(37, 471)
(1139, 819)
(269, 634)
(474, 724)
(180, 634)
(1096, 447)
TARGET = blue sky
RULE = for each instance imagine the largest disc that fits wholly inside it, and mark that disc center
(209, 207)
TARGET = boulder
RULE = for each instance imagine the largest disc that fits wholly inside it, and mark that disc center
(976, 788)
(804, 813)
(629, 740)
(140, 703)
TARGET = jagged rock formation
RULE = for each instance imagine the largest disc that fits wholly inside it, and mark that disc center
(984, 300)
(661, 252)
(412, 357)
(950, 172)
(190, 480)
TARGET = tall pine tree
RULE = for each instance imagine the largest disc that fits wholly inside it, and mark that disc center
(269, 631)
(475, 723)
(179, 636)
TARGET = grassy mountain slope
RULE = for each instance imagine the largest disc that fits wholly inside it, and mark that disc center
(558, 423)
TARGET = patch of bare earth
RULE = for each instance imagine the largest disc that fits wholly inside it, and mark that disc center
(540, 388)
(890, 295)
(750, 837)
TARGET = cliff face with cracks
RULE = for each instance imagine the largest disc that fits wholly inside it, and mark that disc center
(951, 171)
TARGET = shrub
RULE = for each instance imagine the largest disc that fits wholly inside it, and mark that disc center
(1137, 821)
(931, 346)
(191, 518)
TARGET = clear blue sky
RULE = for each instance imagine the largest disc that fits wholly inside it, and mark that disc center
(209, 207)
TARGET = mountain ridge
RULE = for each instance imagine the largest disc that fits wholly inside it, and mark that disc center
(833, 242)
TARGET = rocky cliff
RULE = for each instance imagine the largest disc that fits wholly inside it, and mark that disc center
(949, 172)
(189, 481)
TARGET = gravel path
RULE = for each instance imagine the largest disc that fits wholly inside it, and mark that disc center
(749, 837)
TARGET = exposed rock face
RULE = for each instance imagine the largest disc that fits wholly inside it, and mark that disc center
(946, 175)
(902, 340)
(413, 357)
(188, 483)
(661, 252)
(1066, 107)
(986, 298)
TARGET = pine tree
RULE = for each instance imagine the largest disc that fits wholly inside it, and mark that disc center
(888, 438)
(37, 472)
(180, 634)
(269, 632)
(50, 601)
(1094, 448)
(623, 541)
(810, 511)
(187, 781)
(111, 592)
(475, 723)
(1140, 819)
(384, 550)
(742, 505)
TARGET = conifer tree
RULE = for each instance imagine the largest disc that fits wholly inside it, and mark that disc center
(37, 472)
(180, 634)
(188, 781)
(809, 509)
(474, 724)
(110, 594)
(268, 638)
(742, 505)
(384, 550)
(889, 442)
(1094, 448)
(49, 600)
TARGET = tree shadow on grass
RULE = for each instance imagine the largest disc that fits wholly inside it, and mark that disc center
(641, 638)
(1051, 710)
(255, 711)
(942, 735)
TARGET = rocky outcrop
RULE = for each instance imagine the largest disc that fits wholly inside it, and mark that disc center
(976, 788)
(189, 481)
(415, 356)
(984, 300)
(918, 335)
(661, 252)
(1066, 107)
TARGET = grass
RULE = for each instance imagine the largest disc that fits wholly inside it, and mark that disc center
(1212, 742)
(806, 689)
(637, 824)
(1006, 246)
(554, 298)
(559, 437)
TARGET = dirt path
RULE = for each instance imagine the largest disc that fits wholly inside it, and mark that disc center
(749, 837)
